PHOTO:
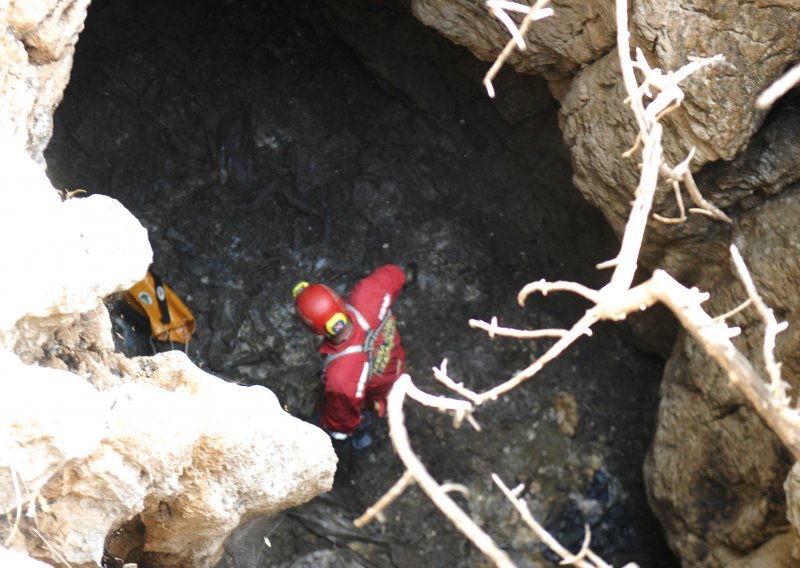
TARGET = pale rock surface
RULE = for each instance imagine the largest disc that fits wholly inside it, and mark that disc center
(14, 559)
(36, 54)
(40, 433)
(93, 444)
(98, 452)
(67, 255)
(169, 448)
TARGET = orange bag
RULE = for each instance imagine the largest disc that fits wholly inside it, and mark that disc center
(170, 319)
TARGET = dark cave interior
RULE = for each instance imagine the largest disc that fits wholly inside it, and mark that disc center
(265, 142)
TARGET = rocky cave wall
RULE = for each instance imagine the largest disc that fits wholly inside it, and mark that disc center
(715, 512)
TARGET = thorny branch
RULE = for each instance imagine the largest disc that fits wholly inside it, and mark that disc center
(613, 302)
(714, 336)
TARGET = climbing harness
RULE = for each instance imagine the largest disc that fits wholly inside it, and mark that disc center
(367, 347)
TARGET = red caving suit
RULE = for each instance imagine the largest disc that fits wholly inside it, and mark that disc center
(347, 388)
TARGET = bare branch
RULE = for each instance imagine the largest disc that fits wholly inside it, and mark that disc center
(18, 497)
(581, 327)
(440, 402)
(650, 131)
(405, 481)
(536, 12)
(773, 328)
(428, 484)
(493, 329)
(455, 487)
(606, 264)
(583, 552)
(473, 422)
(626, 66)
(441, 375)
(52, 549)
(705, 206)
(541, 532)
(681, 172)
(676, 191)
(734, 311)
(715, 339)
(778, 88)
(543, 287)
(510, 25)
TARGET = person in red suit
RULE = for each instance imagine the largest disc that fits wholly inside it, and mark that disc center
(363, 355)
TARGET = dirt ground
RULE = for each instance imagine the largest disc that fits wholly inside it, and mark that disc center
(268, 142)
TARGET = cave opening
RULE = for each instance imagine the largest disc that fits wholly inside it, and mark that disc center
(265, 142)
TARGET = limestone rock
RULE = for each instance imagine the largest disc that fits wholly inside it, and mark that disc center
(152, 459)
(717, 498)
(35, 62)
(714, 470)
(100, 247)
(39, 432)
(17, 560)
(173, 450)
(577, 34)
(717, 116)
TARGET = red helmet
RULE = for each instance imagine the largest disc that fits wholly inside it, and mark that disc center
(322, 310)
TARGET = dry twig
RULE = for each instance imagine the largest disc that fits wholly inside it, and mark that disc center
(493, 329)
(52, 549)
(538, 11)
(773, 328)
(441, 375)
(715, 337)
(427, 483)
(406, 481)
(18, 514)
(778, 88)
(579, 559)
